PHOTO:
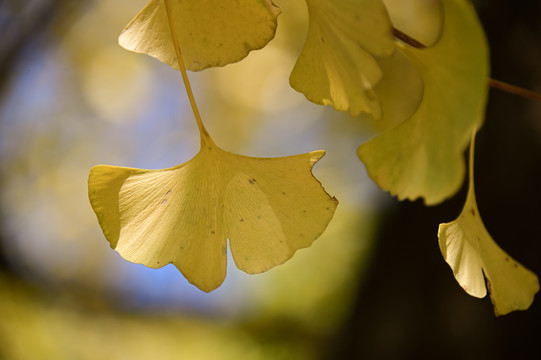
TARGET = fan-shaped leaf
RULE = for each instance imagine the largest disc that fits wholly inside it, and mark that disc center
(422, 156)
(211, 33)
(268, 208)
(337, 65)
(473, 255)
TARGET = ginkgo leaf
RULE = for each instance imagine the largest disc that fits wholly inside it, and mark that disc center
(211, 33)
(422, 156)
(337, 66)
(473, 255)
(267, 207)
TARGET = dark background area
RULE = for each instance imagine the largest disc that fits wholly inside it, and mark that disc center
(396, 318)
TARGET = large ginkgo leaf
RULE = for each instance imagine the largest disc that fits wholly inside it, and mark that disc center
(267, 208)
(473, 255)
(211, 33)
(337, 65)
(422, 156)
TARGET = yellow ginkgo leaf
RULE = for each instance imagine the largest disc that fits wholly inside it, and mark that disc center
(211, 33)
(473, 255)
(337, 65)
(422, 156)
(267, 207)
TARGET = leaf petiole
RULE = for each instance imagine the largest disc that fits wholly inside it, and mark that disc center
(205, 137)
(513, 89)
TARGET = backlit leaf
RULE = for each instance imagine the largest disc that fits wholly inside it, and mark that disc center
(473, 255)
(422, 156)
(211, 33)
(337, 65)
(267, 207)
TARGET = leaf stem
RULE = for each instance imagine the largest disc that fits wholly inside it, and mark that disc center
(205, 137)
(513, 89)
(471, 163)
(408, 39)
(496, 84)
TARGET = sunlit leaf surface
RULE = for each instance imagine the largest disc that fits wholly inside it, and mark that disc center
(337, 65)
(473, 255)
(422, 156)
(267, 208)
(211, 33)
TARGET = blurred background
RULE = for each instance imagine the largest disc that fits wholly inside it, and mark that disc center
(373, 286)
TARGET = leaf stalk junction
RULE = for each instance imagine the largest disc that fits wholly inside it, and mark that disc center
(205, 137)
(493, 83)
